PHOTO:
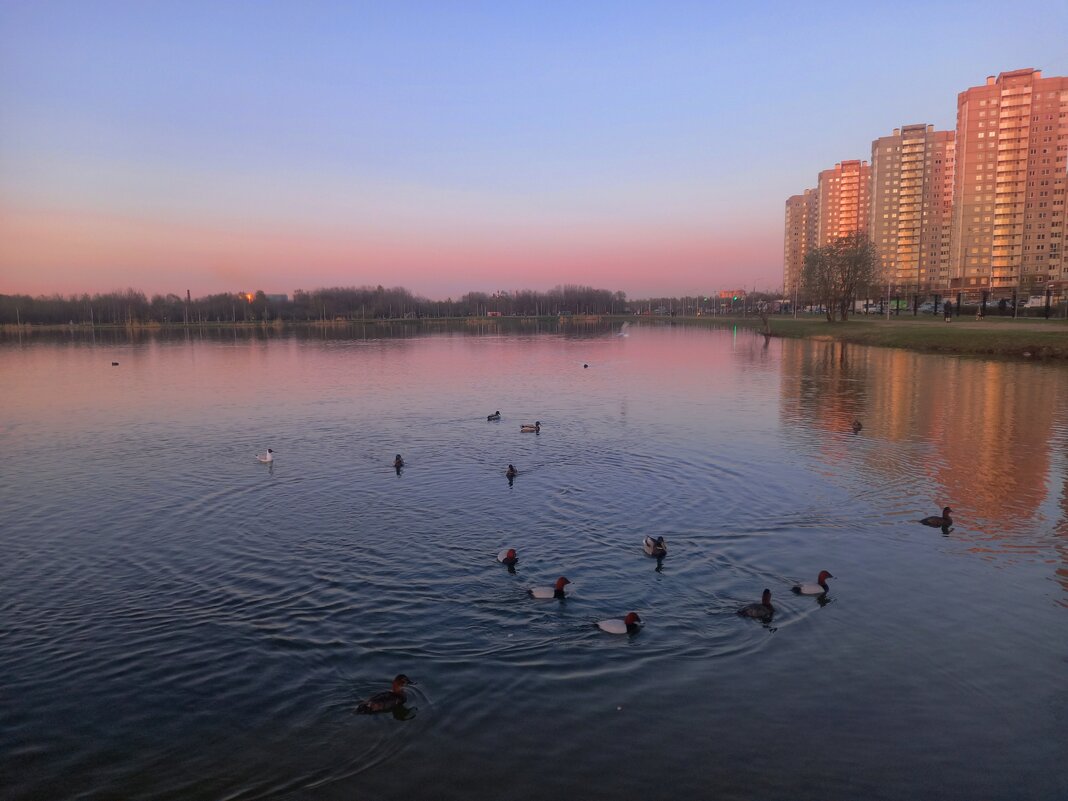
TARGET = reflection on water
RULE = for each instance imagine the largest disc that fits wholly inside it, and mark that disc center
(980, 435)
(180, 622)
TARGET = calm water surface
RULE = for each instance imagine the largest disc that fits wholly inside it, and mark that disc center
(178, 621)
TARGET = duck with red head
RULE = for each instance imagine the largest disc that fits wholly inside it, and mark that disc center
(387, 701)
(631, 624)
(508, 557)
(763, 610)
(819, 588)
(945, 521)
(555, 591)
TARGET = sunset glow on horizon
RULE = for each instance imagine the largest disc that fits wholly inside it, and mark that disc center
(168, 147)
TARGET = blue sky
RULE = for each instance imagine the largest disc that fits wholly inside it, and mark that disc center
(453, 146)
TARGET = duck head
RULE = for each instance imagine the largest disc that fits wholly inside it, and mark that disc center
(400, 682)
(561, 583)
(823, 576)
(765, 599)
(632, 619)
(946, 511)
(511, 554)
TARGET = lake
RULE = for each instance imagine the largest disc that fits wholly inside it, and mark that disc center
(178, 621)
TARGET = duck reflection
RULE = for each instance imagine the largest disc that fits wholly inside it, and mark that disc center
(402, 712)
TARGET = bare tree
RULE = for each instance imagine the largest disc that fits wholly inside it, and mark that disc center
(817, 278)
(834, 273)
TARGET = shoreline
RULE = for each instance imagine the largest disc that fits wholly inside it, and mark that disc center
(1024, 338)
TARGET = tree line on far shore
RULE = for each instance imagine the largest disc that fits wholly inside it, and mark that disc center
(133, 307)
(832, 278)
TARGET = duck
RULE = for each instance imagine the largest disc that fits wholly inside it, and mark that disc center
(819, 588)
(556, 591)
(265, 458)
(657, 547)
(857, 426)
(631, 624)
(945, 521)
(386, 701)
(527, 428)
(398, 462)
(763, 610)
(511, 472)
(508, 557)
(495, 416)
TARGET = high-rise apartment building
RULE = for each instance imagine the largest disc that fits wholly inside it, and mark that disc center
(802, 215)
(912, 206)
(1009, 187)
(843, 200)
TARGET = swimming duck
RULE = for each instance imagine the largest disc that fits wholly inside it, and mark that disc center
(657, 547)
(387, 701)
(527, 428)
(818, 588)
(508, 557)
(556, 591)
(265, 458)
(398, 462)
(763, 610)
(631, 624)
(945, 521)
(857, 426)
(511, 472)
(495, 416)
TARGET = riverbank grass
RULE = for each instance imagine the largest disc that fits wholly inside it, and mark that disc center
(1027, 338)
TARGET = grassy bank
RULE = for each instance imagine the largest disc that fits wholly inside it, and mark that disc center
(1023, 338)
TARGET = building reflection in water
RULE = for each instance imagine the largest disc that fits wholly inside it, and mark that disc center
(987, 437)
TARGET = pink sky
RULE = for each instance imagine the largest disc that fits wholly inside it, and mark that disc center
(67, 251)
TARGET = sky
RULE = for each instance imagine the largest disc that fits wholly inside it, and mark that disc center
(451, 147)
